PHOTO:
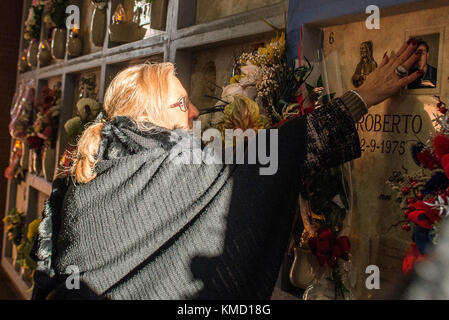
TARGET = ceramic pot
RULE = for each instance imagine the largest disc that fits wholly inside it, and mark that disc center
(33, 50)
(44, 55)
(48, 163)
(58, 43)
(98, 25)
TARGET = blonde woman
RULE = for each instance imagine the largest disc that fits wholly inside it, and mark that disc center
(135, 225)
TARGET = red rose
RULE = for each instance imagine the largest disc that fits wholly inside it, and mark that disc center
(327, 248)
(411, 257)
(441, 145)
(9, 173)
(47, 132)
(428, 160)
(35, 142)
(423, 215)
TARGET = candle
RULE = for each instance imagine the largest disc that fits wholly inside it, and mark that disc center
(75, 29)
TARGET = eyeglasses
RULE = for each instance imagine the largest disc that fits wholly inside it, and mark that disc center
(183, 104)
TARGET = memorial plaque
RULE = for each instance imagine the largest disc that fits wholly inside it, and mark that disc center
(386, 133)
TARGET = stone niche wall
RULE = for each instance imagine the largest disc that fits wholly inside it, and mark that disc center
(212, 69)
(209, 10)
(396, 122)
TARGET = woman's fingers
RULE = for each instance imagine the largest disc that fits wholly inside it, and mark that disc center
(409, 51)
(412, 60)
(409, 79)
(401, 51)
(384, 60)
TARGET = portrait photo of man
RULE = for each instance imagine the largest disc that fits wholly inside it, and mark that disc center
(427, 63)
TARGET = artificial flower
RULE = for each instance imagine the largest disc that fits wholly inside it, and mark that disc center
(33, 229)
(427, 160)
(88, 109)
(441, 145)
(437, 182)
(423, 215)
(327, 247)
(412, 256)
(242, 113)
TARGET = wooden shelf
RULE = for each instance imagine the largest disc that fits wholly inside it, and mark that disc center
(22, 287)
(39, 183)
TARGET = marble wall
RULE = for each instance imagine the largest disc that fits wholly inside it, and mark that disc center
(399, 121)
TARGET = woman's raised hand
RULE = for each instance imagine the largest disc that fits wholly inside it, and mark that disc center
(386, 80)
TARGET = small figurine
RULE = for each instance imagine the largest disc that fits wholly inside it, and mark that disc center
(366, 65)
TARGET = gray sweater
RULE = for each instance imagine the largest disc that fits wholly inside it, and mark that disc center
(146, 228)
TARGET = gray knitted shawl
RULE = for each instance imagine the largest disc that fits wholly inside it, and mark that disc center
(147, 228)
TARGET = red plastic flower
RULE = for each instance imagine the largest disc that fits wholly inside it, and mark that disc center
(411, 257)
(441, 145)
(327, 248)
(423, 215)
(428, 160)
(35, 142)
(9, 173)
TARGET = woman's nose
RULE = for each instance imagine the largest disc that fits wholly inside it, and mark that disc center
(193, 111)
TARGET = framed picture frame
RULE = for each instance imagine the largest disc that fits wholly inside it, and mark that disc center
(431, 41)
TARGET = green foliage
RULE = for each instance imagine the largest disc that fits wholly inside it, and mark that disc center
(289, 80)
(325, 189)
(15, 222)
(57, 12)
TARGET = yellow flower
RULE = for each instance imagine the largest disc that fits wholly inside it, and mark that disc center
(235, 79)
(262, 51)
(33, 228)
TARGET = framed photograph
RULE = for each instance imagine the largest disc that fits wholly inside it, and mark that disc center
(430, 41)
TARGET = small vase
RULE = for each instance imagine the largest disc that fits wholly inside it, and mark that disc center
(302, 271)
(323, 287)
(48, 163)
(44, 54)
(23, 64)
(98, 25)
(36, 162)
(33, 50)
(24, 157)
(58, 43)
(74, 47)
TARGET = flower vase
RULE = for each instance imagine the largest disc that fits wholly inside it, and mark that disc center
(58, 43)
(302, 271)
(98, 25)
(22, 65)
(33, 50)
(48, 163)
(24, 158)
(44, 55)
(323, 287)
(74, 46)
(36, 162)
(14, 255)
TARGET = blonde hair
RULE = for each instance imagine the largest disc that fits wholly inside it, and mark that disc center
(138, 92)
